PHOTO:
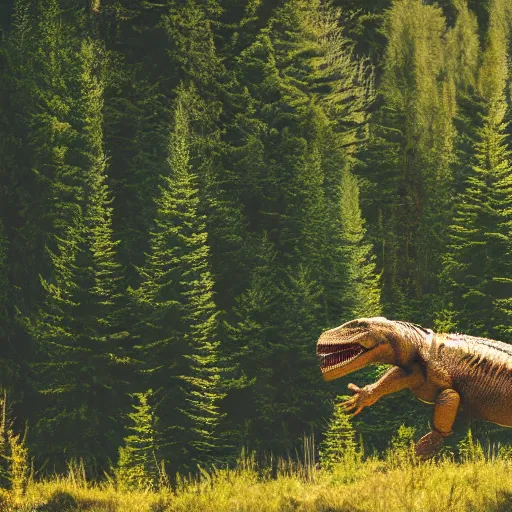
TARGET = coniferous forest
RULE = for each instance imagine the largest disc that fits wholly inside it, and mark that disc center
(191, 191)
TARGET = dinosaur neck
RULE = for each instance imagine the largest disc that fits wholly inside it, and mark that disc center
(407, 341)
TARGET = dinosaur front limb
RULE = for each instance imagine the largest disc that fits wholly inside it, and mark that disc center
(445, 411)
(395, 379)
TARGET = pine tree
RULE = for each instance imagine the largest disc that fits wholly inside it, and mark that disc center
(143, 86)
(297, 71)
(252, 338)
(280, 396)
(298, 410)
(39, 63)
(137, 467)
(107, 283)
(360, 295)
(476, 274)
(464, 55)
(178, 315)
(410, 156)
(463, 49)
(77, 330)
(339, 444)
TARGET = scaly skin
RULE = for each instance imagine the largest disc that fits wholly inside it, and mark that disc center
(447, 370)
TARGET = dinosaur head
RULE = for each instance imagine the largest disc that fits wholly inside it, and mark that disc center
(355, 345)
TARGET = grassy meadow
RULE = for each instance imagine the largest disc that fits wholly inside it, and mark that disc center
(396, 482)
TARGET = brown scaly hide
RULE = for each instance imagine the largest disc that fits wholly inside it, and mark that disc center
(447, 370)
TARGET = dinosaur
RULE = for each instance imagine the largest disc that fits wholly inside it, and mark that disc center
(451, 371)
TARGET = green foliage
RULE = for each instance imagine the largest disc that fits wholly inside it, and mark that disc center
(327, 160)
(339, 445)
(470, 450)
(401, 450)
(19, 465)
(360, 295)
(410, 155)
(15, 468)
(76, 329)
(463, 50)
(505, 452)
(137, 467)
(178, 317)
(476, 272)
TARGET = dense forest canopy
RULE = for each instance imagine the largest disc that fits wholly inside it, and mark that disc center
(191, 191)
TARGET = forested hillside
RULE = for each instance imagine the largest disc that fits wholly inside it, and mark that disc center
(192, 190)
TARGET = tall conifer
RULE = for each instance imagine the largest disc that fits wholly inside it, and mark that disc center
(76, 328)
(411, 154)
(290, 186)
(38, 59)
(476, 275)
(179, 323)
(361, 292)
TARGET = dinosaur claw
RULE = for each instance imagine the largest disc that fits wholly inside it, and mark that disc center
(349, 404)
(362, 398)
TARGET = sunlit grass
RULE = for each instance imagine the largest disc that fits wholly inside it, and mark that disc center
(395, 483)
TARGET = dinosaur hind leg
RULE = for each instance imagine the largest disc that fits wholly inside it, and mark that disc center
(445, 410)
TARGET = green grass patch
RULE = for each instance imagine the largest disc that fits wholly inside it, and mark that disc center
(395, 483)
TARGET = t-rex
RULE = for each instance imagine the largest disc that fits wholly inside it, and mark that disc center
(448, 370)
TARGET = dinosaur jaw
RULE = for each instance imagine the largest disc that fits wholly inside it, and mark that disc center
(347, 358)
(334, 358)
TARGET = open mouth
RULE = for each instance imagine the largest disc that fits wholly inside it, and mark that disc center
(335, 356)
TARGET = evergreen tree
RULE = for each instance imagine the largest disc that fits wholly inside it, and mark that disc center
(290, 186)
(301, 397)
(179, 320)
(477, 268)
(339, 444)
(360, 295)
(77, 327)
(39, 69)
(36, 168)
(137, 467)
(137, 117)
(463, 49)
(142, 88)
(280, 396)
(252, 340)
(464, 55)
(410, 156)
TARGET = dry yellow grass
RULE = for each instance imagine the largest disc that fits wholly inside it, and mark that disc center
(391, 485)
